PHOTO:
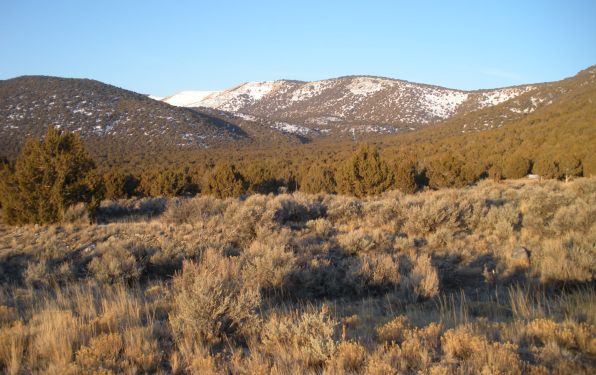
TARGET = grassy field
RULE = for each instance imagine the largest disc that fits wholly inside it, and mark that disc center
(490, 279)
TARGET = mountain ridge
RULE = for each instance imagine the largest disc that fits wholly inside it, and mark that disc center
(263, 114)
(360, 101)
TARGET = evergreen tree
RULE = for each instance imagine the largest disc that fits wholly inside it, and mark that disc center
(166, 182)
(49, 176)
(405, 176)
(447, 170)
(545, 166)
(516, 166)
(364, 173)
(318, 179)
(118, 184)
(589, 165)
(495, 172)
(225, 182)
(5, 186)
(559, 166)
(262, 178)
(569, 166)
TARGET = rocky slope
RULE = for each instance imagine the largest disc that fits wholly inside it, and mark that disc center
(270, 114)
(347, 104)
(544, 97)
(112, 117)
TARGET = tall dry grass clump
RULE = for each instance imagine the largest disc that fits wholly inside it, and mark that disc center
(423, 280)
(13, 339)
(571, 257)
(86, 329)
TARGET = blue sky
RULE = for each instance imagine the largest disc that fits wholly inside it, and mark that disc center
(161, 47)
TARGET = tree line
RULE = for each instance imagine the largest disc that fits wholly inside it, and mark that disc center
(57, 172)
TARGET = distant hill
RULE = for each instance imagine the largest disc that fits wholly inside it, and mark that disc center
(547, 96)
(276, 114)
(102, 112)
(553, 126)
(360, 104)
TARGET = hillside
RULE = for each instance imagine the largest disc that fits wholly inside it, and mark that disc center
(558, 135)
(360, 104)
(116, 123)
(547, 96)
(111, 119)
(559, 131)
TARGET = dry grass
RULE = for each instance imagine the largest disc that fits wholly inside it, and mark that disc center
(394, 284)
(213, 303)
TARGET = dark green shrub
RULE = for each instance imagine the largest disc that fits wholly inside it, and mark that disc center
(166, 183)
(364, 173)
(262, 179)
(405, 176)
(118, 184)
(446, 170)
(318, 179)
(225, 182)
(516, 166)
(560, 166)
(49, 176)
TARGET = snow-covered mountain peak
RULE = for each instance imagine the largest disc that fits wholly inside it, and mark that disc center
(350, 100)
(188, 98)
(236, 98)
(364, 86)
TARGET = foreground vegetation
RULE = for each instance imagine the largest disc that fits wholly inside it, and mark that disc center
(494, 278)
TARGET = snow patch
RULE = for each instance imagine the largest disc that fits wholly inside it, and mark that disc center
(245, 116)
(238, 97)
(498, 96)
(189, 98)
(441, 103)
(291, 128)
(310, 90)
(325, 120)
(83, 111)
(364, 86)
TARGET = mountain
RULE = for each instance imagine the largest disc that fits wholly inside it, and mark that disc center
(553, 129)
(272, 114)
(348, 104)
(111, 118)
(544, 98)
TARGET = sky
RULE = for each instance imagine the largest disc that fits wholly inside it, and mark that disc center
(162, 47)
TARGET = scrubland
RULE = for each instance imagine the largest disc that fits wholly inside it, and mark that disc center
(496, 278)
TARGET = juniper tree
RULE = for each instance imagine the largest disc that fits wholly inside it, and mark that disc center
(262, 178)
(225, 181)
(118, 184)
(166, 182)
(364, 173)
(49, 176)
(589, 165)
(446, 170)
(551, 165)
(405, 176)
(516, 166)
(318, 179)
